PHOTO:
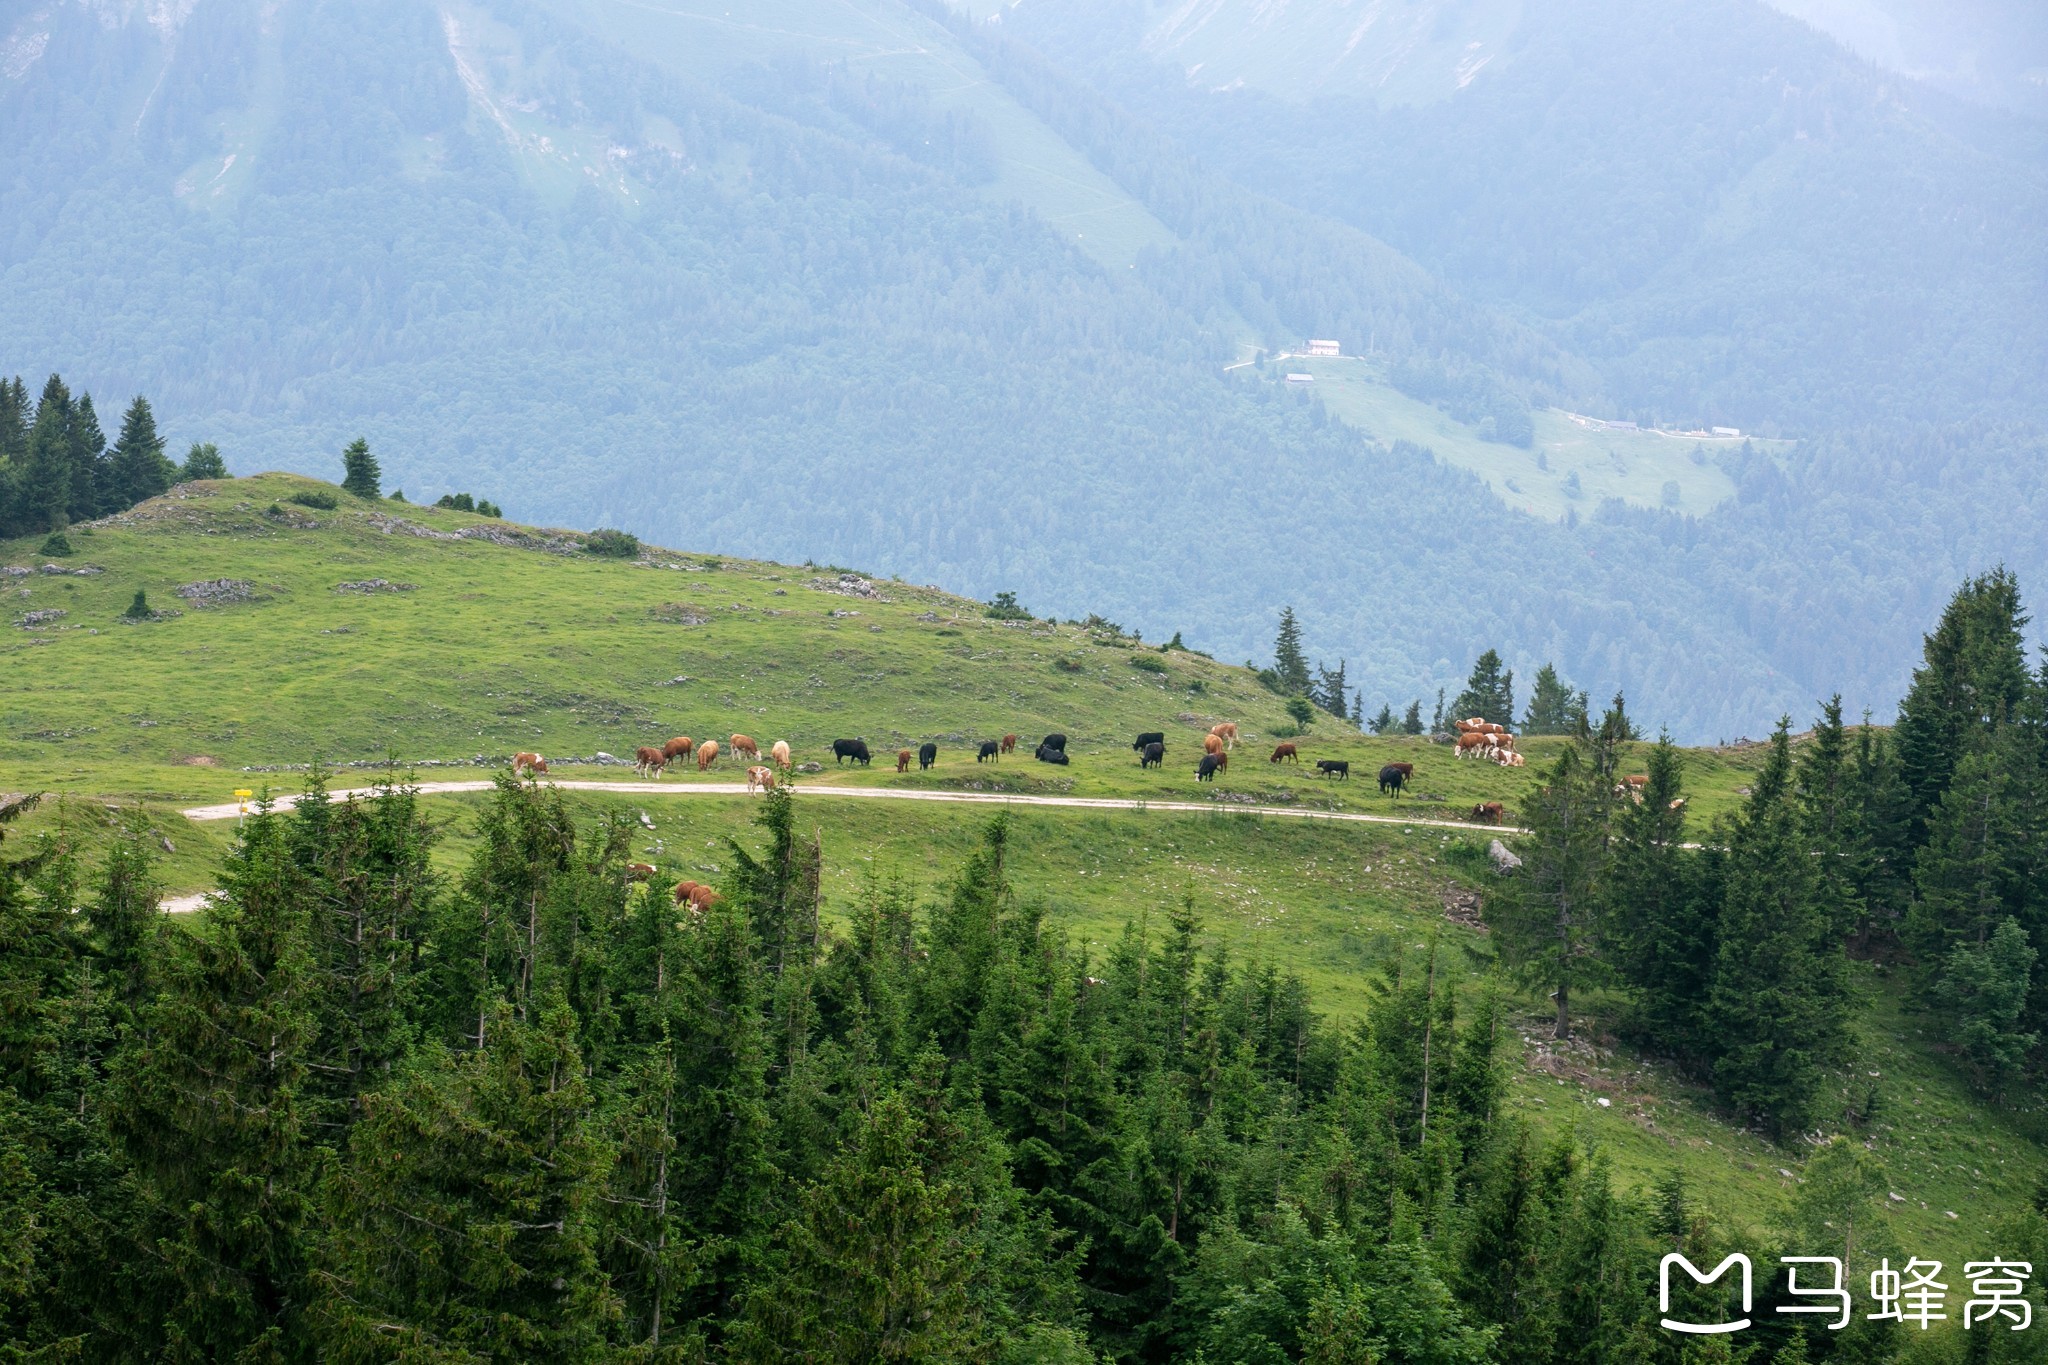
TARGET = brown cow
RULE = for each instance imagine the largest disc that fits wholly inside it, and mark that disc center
(1407, 770)
(1632, 787)
(1510, 759)
(1487, 813)
(682, 746)
(1678, 804)
(707, 754)
(684, 890)
(703, 898)
(1009, 744)
(1285, 751)
(903, 757)
(780, 753)
(1225, 731)
(639, 872)
(743, 746)
(648, 762)
(1471, 742)
(529, 764)
(760, 779)
(1212, 744)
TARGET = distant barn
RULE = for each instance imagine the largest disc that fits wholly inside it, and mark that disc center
(1301, 379)
(1325, 348)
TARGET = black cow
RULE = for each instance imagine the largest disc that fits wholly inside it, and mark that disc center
(1334, 767)
(1057, 743)
(1207, 772)
(1149, 737)
(989, 750)
(1154, 755)
(855, 749)
(1051, 755)
(927, 754)
(1392, 778)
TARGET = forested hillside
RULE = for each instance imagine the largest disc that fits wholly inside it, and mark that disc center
(866, 284)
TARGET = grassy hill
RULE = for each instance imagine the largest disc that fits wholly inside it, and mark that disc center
(489, 637)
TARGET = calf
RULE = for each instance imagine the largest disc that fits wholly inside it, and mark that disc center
(855, 749)
(648, 762)
(927, 754)
(903, 757)
(1058, 742)
(682, 746)
(989, 750)
(1206, 770)
(1047, 754)
(1487, 813)
(707, 754)
(1334, 767)
(760, 779)
(529, 764)
(1154, 755)
(1284, 752)
(1009, 744)
(1393, 778)
(1149, 737)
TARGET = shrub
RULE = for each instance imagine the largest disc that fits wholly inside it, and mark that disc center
(56, 545)
(456, 502)
(1302, 710)
(314, 497)
(1147, 663)
(613, 544)
(1005, 608)
(203, 462)
(138, 610)
(489, 509)
(1066, 665)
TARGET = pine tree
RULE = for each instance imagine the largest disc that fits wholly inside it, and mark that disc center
(1489, 693)
(1436, 721)
(1985, 987)
(14, 419)
(1971, 871)
(1330, 692)
(1831, 818)
(45, 495)
(1547, 918)
(1290, 664)
(92, 488)
(1972, 679)
(1660, 926)
(360, 472)
(1554, 709)
(1779, 1002)
(1384, 721)
(138, 469)
(203, 461)
(1411, 724)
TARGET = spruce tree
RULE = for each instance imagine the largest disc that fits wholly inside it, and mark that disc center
(14, 419)
(92, 482)
(1661, 930)
(1290, 664)
(1972, 678)
(1547, 917)
(45, 495)
(1489, 693)
(1985, 988)
(1383, 722)
(138, 469)
(360, 472)
(1411, 724)
(1554, 709)
(203, 461)
(1831, 818)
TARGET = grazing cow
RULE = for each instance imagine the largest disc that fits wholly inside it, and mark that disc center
(1149, 737)
(1284, 751)
(927, 754)
(988, 752)
(1504, 740)
(648, 762)
(1223, 760)
(703, 898)
(1212, 744)
(682, 746)
(1471, 743)
(1393, 777)
(1009, 744)
(855, 749)
(1048, 754)
(1058, 742)
(903, 757)
(1154, 755)
(1206, 770)
(780, 753)
(707, 754)
(684, 890)
(743, 746)
(529, 764)
(1678, 804)
(760, 779)
(1487, 813)
(1225, 731)
(1334, 767)
(639, 872)
(1632, 787)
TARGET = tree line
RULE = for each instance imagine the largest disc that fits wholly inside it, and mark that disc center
(1921, 847)
(56, 467)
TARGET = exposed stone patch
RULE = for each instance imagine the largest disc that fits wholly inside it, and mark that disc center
(37, 619)
(217, 592)
(681, 613)
(371, 585)
(848, 585)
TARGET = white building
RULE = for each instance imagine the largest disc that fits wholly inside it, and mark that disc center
(1330, 348)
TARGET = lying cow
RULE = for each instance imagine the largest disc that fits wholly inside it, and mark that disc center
(1047, 754)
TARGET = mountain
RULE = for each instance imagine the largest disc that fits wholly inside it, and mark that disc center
(1989, 51)
(879, 285)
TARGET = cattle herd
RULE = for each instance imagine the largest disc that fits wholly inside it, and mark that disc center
(1476, 738)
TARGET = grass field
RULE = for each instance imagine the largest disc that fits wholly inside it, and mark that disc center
(492, 647)
(1634, 466)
